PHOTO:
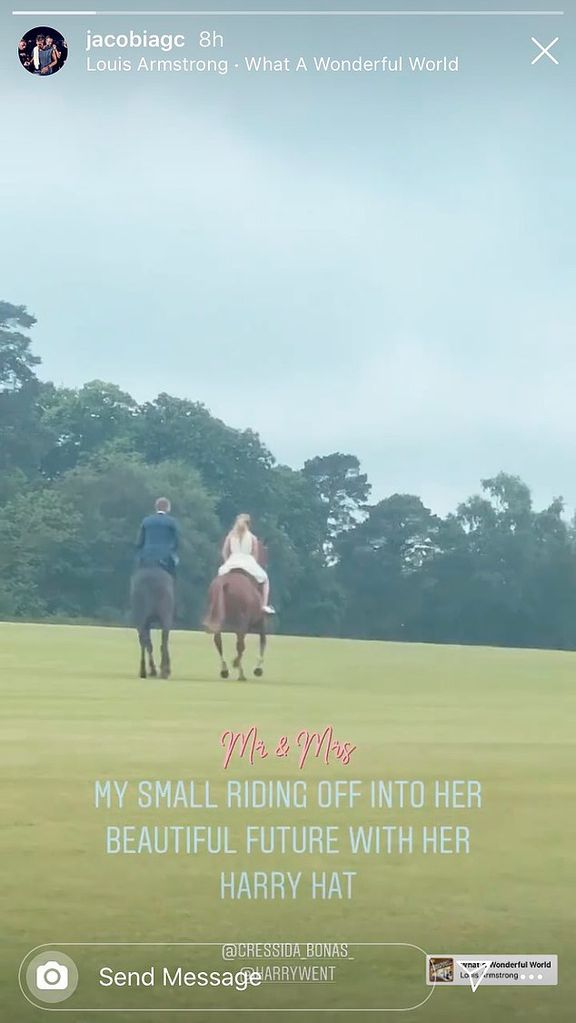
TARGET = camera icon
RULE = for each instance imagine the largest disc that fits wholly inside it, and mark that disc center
(52, 976)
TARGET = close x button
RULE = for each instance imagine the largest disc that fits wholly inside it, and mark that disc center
(545, 50)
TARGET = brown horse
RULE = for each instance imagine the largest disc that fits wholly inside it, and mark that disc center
(235, 605)
(152, 598)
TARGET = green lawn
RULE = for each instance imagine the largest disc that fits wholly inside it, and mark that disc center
(74, 711)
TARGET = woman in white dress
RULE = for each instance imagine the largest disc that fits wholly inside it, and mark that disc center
(240, 550)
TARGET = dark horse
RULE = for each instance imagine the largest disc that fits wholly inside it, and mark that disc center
(152, 598)
(235, 605)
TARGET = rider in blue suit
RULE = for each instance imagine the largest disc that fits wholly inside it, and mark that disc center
(158, 539)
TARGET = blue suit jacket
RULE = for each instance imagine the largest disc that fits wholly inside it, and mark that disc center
(158, 538)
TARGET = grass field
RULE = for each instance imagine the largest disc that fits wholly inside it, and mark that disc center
(73, 711)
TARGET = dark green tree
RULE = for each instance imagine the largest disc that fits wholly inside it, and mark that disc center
(70, 546)
(380, 562)
(22, 437)
(234, 464)
(81, 421)
(17, 361)
(342, 489)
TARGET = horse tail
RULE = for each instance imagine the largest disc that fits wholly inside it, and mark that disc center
(216, 613)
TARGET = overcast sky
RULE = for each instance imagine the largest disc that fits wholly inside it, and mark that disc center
(381, 265)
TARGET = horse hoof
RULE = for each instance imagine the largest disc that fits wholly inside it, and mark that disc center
(258, 672)
(241, 678)
(224, 674)
(165, 675)
(154, 673)
(143, 674)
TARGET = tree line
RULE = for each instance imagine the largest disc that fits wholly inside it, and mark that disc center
(80, 467)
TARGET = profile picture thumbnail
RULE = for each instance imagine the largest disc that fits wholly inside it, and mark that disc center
(42, 51)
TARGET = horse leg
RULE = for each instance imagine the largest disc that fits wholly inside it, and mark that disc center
(259, 669)
(165, 666)
(151, 662)
(142, 639)
(224, 673)
(240, 648)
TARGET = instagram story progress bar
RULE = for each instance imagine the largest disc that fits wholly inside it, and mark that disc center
(296, 14)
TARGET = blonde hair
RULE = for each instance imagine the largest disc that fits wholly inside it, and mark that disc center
(242, 524)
